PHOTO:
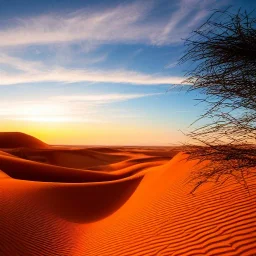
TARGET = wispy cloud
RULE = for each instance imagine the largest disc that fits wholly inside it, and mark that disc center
(171, 65)
(182, 21)
(128, 23)
(95, 76)
(125, 23)
(34, 72)
(103, 98)
(68, 108)
(19, 64)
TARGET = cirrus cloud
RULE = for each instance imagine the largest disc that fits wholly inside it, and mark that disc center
(35, 72)
(126, 23)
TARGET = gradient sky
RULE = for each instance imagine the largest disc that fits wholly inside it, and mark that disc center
(98, 72)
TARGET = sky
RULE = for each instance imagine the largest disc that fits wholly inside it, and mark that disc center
(99, 72)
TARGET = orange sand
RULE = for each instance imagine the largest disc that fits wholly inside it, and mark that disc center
(117, 201)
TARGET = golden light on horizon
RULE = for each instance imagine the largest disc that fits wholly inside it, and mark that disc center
(45, 119)
(89, 133)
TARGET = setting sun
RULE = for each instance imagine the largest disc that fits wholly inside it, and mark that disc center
(39, 112)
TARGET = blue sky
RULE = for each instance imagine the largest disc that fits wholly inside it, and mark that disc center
(97, 65)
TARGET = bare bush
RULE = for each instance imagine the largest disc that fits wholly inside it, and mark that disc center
(223, 56)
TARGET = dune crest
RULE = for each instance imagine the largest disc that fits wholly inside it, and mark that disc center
(18, 139)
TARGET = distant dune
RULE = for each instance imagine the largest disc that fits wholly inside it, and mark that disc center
(116, 201)
(18, 139)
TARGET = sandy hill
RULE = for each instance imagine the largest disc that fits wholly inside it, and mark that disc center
(140, 204)
(18, 139)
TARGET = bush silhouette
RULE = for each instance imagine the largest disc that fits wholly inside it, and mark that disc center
(223, 56)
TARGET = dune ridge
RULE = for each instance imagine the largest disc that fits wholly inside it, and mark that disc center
(137, 202)
(19, 139)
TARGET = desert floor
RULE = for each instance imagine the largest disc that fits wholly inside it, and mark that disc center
(82, 201)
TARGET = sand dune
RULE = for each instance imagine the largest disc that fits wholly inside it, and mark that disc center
(133, 202)
(18, 139)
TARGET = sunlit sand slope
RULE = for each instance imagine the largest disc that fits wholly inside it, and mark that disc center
(143, 208)
(162, 218)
